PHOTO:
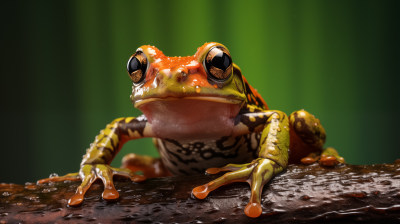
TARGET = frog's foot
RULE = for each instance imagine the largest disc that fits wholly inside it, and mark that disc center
(70, 177)
(256, 173)
(151, 167)
(328, 157)
(90, 173)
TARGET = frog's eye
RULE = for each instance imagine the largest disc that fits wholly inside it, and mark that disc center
(218, 63)
(137, 66)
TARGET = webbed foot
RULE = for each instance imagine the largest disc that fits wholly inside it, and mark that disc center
(257, 174)
(328, 157)
(89, 174)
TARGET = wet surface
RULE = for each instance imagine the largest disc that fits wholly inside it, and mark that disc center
(303, 194)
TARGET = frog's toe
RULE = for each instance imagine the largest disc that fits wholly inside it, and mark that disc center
(78, 197)
(229, 167)
(201, 192)
(329, 157)
(262, 174)
(70, 177)
(253, 210)
(256, 173)
(310, 159)
(89, 176)
(106, 174)
(90, 173)
(128, 174)
(239, 173)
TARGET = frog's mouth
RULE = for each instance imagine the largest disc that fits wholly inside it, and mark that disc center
(190, 117)
(138, 103)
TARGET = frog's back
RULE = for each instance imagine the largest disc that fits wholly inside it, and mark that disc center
(254, 101)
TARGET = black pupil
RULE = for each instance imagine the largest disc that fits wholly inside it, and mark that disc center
(221, 61)
(134, 65)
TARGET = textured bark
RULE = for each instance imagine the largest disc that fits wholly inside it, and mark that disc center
(303, 194)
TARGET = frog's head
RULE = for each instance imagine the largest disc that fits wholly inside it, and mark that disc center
(202, 90)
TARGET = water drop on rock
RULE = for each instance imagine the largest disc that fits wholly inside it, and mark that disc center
(53, 175)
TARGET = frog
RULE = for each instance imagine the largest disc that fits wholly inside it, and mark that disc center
(203, 116)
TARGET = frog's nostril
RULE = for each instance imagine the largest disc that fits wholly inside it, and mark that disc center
(157, 80)
(180, 76)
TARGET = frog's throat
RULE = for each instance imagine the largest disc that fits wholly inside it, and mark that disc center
(190, 118)
(205, 98)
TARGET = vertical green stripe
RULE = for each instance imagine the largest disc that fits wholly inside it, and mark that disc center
(51, 76)
(64, 68)
(309, 56)
(276, 67)
(341, 98)
(96, 99)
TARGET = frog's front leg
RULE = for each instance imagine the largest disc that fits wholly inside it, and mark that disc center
(95, 163)
(272, 157)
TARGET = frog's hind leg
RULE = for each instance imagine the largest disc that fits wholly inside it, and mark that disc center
(151, 167)
(307, 138)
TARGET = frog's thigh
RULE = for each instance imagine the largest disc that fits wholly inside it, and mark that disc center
(306, 135)
(151, 167)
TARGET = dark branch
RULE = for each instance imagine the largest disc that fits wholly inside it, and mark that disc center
(303, 194)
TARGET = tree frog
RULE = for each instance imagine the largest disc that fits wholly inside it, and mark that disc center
(203, 116)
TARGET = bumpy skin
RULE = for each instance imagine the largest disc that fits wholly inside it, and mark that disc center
(225, 123)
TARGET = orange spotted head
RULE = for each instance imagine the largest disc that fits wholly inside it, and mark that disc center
(209, 74)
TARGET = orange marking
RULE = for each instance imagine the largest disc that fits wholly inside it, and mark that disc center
(328, 160)
(201, 192)
(308, 160)
(110, 193)
(213, 170)
(255, 93)
(75, 200)
(253, 210)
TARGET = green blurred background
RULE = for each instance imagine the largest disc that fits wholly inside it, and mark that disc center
(64, 77)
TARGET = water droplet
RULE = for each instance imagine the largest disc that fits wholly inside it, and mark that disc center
(198, 89)
(53, 175)
(46, 190)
